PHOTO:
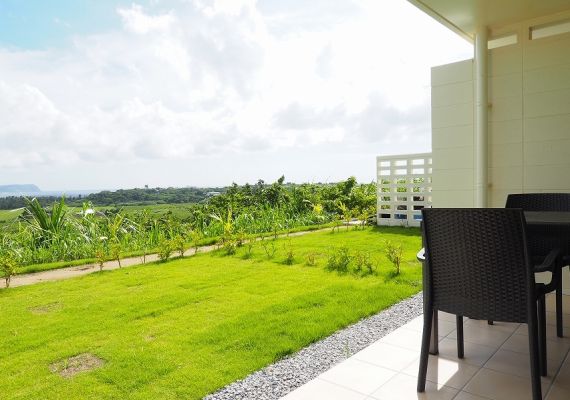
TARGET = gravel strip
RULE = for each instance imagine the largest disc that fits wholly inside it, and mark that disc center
(276, 380)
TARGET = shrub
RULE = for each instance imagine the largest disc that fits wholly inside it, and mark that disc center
(339, 260)
(164, 250)
(249, 248)
(229, 246)
(179, 244)
(289, 253)
(364, 263)
(116, 252)
(394, 253)
(268, 247)
(311, 259)
(8, 267)
(101, 256)
(196, 236)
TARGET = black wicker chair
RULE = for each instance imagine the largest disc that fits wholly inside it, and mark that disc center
(477, 265)
(543, 239)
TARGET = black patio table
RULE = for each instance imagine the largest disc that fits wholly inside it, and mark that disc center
(548, 218)
(551, 227)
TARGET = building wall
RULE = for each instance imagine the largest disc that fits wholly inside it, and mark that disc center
(529, 120)
(452, 135)
(529, 115)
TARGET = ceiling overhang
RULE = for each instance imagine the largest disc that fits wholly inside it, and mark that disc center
(465, 16)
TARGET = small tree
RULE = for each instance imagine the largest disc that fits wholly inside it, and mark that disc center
(178, 244)
(164, 250)
(346, 213)
(196, 236)
(394, 253)
(8, 267)
(116, 252)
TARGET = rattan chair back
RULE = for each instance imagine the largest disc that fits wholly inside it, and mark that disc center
(477, 264)
(542, 239)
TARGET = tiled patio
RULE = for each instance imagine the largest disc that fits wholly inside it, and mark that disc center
(496, 365)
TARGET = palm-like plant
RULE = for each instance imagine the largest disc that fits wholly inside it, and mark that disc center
(46, 224)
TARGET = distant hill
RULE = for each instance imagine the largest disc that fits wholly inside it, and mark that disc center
(26, 188)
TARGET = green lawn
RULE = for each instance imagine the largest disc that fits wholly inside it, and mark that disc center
(185, 328)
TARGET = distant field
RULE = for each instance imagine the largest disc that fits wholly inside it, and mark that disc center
(7, 216)
(180, 211)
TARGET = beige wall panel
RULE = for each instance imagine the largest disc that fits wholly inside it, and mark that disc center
(452, 73)
(553, 127)
(453, 93)
(546, 52)
(547, 153)
(546, 178)
(455, 157)
(454, 136)
(505, 86)
(506, 108)
(506, 178)
(453, 198)
(505, 60)
(502, 132)
(452, 179)
(547, 103)
(547, 79)
(505, 155)
(453, 115)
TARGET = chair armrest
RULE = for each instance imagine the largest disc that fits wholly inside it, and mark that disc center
(550, 262)
(421, 256)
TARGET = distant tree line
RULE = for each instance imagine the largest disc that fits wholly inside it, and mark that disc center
(300, 197)
(121, 197)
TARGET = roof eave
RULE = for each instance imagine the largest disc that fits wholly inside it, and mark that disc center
(441, 19)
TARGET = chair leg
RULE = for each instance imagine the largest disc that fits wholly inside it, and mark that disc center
(542, 335)
(559, 322)
(460, 345)
(534, 358)
(425, 350)
(434, 343)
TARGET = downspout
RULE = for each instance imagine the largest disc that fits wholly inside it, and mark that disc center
(481, 118)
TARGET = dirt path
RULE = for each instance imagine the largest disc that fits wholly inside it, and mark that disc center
(72, 272)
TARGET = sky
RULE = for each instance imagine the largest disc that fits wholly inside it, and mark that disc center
(107, 94)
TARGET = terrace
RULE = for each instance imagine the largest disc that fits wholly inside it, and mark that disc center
(499, 125)
(496, 365)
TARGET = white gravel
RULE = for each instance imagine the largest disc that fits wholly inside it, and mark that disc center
(276, 380)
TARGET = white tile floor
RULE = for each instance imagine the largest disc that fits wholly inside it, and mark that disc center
(496, 365)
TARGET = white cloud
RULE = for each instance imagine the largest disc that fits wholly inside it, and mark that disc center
(224, 76)
(135, 20)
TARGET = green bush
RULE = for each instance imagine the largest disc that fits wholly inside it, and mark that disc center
(165, 250)
(394, 253)
(8, 267)
(364, 264)
(339, 260)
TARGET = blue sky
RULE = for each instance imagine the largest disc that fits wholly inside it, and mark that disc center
(39, 24)
(103, 94)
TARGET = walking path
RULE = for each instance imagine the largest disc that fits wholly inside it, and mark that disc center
(72, 272)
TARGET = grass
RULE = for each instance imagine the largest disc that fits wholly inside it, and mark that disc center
(186, 328)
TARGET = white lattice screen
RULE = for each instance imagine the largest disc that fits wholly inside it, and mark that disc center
(404, 188)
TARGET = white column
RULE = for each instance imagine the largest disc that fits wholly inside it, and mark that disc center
(481, 118)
